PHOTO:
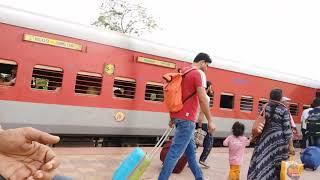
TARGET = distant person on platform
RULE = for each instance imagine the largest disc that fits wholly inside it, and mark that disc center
(313, 127)
(285, 101)
(208, 139)
(304, 117)
(193, 82)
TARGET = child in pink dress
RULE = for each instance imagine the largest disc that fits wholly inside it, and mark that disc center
(237, 144)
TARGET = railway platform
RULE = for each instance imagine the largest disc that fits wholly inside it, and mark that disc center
(99, 164)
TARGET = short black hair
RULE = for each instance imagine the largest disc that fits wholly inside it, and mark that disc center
(238, 129)
(276, 94)
(208, 84)
(202, 57)
(315, 103)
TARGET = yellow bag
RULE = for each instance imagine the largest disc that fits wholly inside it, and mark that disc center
(290, 170)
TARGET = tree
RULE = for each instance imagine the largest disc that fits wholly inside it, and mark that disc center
(121, 16)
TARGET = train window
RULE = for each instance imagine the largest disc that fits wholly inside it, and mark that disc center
(124, 87)
(305, 106)
(262, 102)
(246, 103)
(46, 78)
(227, 101)
(88, 83)
(154, 92)
(294, 109)
(8, 71)
(211, 96)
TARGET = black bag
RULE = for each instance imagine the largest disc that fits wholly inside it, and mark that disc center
(313, 124)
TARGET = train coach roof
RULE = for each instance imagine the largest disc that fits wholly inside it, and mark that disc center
(21, 18)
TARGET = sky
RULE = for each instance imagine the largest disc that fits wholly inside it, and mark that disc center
(281, 35)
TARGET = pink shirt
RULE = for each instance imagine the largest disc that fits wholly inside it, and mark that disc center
(293, 124)
(237, 146)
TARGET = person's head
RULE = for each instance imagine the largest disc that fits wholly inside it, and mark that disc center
(315, 103)
(238, 129)
(2, 79)
(92, 90)
(14, 71)
(202, 61)
(209, 88)
(276, 94)
(285, 100)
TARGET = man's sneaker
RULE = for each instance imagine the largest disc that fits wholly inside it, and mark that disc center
(204, 164)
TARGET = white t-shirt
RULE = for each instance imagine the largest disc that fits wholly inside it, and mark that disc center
(203, 79)
(204, 84)
(304, 116)
(208, 100)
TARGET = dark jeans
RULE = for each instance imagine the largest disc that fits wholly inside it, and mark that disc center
(207, 143)
(314, 141)
(304, 139)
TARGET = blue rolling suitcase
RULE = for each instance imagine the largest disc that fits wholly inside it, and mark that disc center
(129, 164)
(136, 163)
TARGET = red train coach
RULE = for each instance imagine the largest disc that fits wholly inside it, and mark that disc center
(66, 78)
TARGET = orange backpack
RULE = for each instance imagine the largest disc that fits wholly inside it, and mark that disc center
(173, 91)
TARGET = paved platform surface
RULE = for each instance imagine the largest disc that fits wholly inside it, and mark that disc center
(100, 163)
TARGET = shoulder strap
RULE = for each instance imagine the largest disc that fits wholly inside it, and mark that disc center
(263, 111)
(309, 112)
(185, 73)
(190, 96)
(168, 77)
(160, 143)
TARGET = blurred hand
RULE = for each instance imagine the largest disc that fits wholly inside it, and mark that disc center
(295, 131)
(292, 151)
(23, 154)
(42, 175)
(211, 127)
(291, 148)
(171, 123)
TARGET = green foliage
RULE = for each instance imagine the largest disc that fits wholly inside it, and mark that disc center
(121, 16)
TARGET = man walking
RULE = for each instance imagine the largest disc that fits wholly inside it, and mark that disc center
(194, 94)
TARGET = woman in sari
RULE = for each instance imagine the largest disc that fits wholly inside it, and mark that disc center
(272, 146)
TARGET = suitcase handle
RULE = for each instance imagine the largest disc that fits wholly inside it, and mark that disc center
(160, 143)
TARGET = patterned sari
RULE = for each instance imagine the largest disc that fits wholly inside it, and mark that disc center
(272, 146)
